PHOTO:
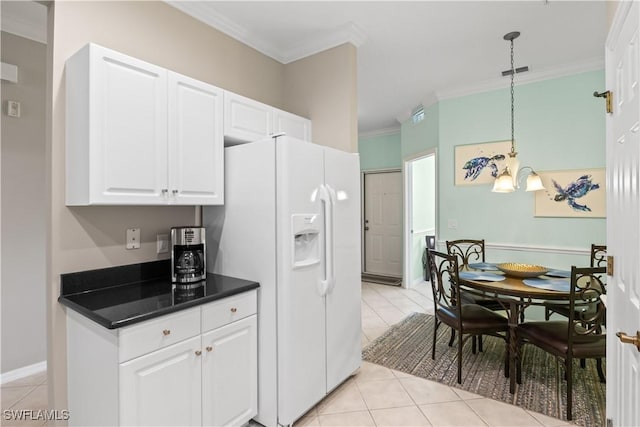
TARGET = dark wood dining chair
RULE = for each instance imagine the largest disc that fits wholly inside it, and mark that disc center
(598, 259)
(469, 251)
(581, 336)
(465, 318)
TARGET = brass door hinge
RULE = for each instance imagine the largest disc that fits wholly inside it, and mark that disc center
(608, 97)
(610, 265)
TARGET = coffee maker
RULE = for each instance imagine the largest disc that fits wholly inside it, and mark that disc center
(188, 255)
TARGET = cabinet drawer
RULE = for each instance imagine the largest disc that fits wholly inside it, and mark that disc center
(157, 333)
(228, 310)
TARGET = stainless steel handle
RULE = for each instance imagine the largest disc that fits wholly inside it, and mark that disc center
(198, 352)
(166, 332)
(209, 348)
(233, 309)
(175, 191)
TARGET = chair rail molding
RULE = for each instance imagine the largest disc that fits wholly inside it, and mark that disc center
(532, 248)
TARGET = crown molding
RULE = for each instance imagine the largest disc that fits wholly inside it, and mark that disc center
(380, 132)
(530, 77)
(348, 33)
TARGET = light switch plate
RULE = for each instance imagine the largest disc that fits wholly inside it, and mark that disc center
(133, 238)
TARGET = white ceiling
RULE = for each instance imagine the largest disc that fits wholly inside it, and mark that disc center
(417, 52)
(409, 53)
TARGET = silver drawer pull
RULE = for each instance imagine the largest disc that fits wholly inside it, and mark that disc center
(209, 348)
(198, 352)
(166, 332)
(233, 309)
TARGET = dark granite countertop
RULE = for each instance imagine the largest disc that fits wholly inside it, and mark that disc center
(121, 296)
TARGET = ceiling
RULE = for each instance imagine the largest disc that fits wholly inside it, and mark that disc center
(417, 52)
(410, 53)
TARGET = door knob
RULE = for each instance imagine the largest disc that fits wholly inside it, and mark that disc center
(628, 339)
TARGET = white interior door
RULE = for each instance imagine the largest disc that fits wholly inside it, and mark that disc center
(420, 213)
(623, 211)
(383, 223)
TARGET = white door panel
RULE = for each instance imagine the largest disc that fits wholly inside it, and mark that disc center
(623, 211)
(154, 385)
(383, 223)
(132, 111)
(343, 301)
(196, 158)
(300, 303)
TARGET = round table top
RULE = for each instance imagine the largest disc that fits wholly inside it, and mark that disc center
(514, 287)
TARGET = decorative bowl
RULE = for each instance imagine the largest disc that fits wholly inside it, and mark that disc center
(521, 270)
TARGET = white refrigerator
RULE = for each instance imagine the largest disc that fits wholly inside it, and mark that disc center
(291, 221)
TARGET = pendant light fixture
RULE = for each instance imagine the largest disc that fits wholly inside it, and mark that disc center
(507, 180)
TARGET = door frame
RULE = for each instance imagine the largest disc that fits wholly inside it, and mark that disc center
(362, 208)
(408, 208)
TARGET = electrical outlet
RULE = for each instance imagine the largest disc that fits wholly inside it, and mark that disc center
(133, 238)
(13, 108)
(162, 243)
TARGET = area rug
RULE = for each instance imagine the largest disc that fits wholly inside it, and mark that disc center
(381, 280)
(406, 347)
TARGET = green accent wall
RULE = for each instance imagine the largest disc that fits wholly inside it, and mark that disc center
(559, 125)
(380, 152)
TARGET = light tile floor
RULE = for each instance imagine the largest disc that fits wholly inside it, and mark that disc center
(375, 396)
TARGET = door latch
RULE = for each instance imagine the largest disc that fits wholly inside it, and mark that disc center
(608, 97)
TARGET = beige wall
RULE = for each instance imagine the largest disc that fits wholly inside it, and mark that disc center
(83, 238)
(23, 207)
(323, 87)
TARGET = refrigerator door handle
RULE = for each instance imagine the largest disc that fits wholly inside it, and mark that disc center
(327, 205)
(330, 249)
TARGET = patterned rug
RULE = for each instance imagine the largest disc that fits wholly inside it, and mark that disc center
(406, 347)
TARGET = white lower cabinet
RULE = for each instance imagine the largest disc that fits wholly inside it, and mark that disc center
(163, 388)
(229, 372)
(196, 367)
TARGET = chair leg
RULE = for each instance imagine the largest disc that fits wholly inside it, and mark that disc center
(518, 361)
(600, 372)
(480, 343)
(473, 344)
(569, 371)
(583, 363)
(547, 314)
(453, 337)
(460, 342)
(433, 345)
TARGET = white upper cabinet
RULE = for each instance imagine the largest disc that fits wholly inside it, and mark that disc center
(292, 125)
(247, 120)
(196, 148)
(139, 134)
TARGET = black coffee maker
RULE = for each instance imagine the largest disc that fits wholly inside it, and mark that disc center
(188, 255)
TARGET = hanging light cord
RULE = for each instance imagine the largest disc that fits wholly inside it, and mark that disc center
(513, 73)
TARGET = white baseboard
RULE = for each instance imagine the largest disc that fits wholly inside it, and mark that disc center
(23, 372)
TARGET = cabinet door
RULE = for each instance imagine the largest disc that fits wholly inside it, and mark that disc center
(292, 125)
(196, 145)
(128, 126)
(246, 120)
(163, 387)
(230, 374)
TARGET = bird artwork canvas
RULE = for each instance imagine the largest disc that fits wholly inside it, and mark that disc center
(572, 193)
(477, 164)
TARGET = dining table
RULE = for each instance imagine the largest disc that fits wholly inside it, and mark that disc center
(515, 294)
